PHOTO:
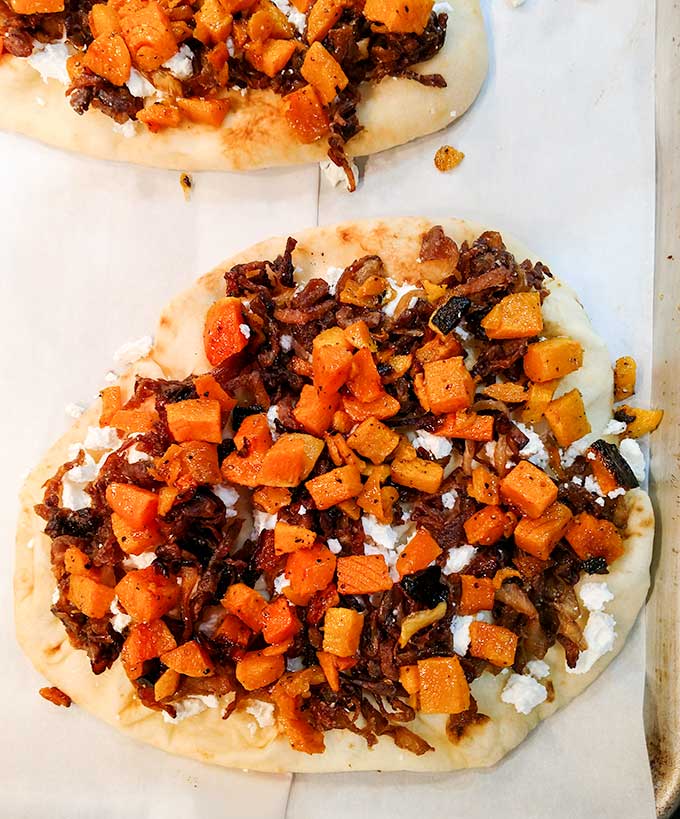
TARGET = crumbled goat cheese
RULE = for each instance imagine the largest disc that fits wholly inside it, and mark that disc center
(388, 541)
(286, 343)
(138, 85)
(614, 427)
(232, 52)
(400, 290)
(578, 480)
(436, 445)
(56, 594)
(132, 351)
(591, 485)
(263, 713)
(595, 595)
(599, 501)
(333, 277)
(101, 438)
(181, 65)
(272, 417)
(616, 493)
(294, 664)
(261, 587)
(336, 175)
(442, 7)
(74, 410)
(462, 333)
(490, 450)
(600, 635)
(449, 499)
(229, 497)
(334, 545)
(191, 706)
(126, 129)
(632, 454)
(458, 559)
(110, 377)
(534, 450)
(297, 18)
(142, 561)
(263, 520)
(577, 448)
(245, 330)
(280, 583)
(302, 510)
(49, 60)
(136, 456)
(524, 693)
(460, 629)
(120, 621)
(73, 483)
(538, 669)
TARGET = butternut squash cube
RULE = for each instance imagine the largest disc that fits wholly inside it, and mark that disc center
(625, 370)
(443, 687)
(335, 486)
(103, 19)
(36, 6)
(590, 537)
(213, 23)
(289, 538)
(323, 15)
(400, 16)
(157, 116)
(418, 474)
(305, 114)
(342, 631)
(323, 71)
(374, 440)
(204, 111)
(149, 36)
(540, 535)
(493, 643)
(363, 574)
(567, 418)
(515, 316)
(271, 56)
(449, 385)
(644, 420)
(538, 398)
(108, 57)
(529, 489)
(553, 358)
(476, 594)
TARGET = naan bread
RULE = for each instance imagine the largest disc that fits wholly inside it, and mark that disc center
(240, 741)
(255, 133)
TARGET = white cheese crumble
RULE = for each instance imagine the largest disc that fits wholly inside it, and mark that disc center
(126, 129)
(74, 410)
(55, 597)
(595, 595)
(120, 621)
(592, 486)
(388, 541)
(261, 587)
(616, 493)
(286, 343)
(577, 448)
(400, 290)
(272, 416)
(632, 454)
(459, 558)
(229, 497)
(294, 664)
(334, 545)
(599, 634)
(336, 175)
(132, 351)
(442, 7)
(302, 510)
(73, 483)
(138, 85)
(263, 713)
(460, 628)
(578, 480)
(534, 450)
(462, 333)
(245, 330)
(142, 561)
(262, 520)
(614, 427)
(191, 706)
(436, 445)
(232, 53)
(136, 456)
(524, 693)
(49, 60)
(101, 438)
(181, 65)
(517, 3)
(280, 583)
(332, 277)
(538, 669)
(297, 18)
(449, 499)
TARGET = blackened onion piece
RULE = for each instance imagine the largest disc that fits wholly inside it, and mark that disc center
(449, 315)
(616, 464)
(426, 587)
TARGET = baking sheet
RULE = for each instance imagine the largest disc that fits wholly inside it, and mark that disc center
(559, 152)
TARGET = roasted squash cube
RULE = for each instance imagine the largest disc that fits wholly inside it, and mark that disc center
(540, 535)
(529, 489)
(442, 688)
(625, 370)
(323, 71)
(493, 643)
(323, 15)
(305, 113)
(363, 574)
(342, 631)
(148, 595)
(515, 316)
(476, 594)
(567, 418)
(553, 358)
(590, 537)
(149, 37)
(418, 474)
(335, 486)
(449, 385)
(400, 16)
(374, 440)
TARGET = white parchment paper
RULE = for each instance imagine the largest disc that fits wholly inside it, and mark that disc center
(559, 152)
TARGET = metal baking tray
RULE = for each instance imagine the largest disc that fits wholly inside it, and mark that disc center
(662, 696)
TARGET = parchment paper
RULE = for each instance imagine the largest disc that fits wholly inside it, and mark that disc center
(559, 152)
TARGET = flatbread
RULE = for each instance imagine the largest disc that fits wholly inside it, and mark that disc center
(255, 133)
(239, 741)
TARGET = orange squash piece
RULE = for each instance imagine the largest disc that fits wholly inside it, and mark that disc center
(166, 685)
(36, 6)
(108, 57)
(567, 418)
(134, 541)
(358, 335)
(329, 666)
(363, 574)
(246, 604)
(409, 677)
(213, 23)
(515, 316)
(540, 535)
(374, 440)
(204, 111)
(130, 421)
(77, 562)
(419, 552)
(335, 486)
(418, 473)
(309, 571)
(342, 631)
(493, 643)
(149, 36)
(138, 507)
(196, 419)
(487, 526)
(508, 392)
(400, 16)
(222, 334)
(148, 595)
(103, 19)
(448, 385)
(256, 670)
(271, 56)
(145, 641)
(289, 538)
(364, 381)
(112, 401)
(385, 406)
(290, 460)
(442, 688)
(323, 15)
(87, 595)
(314, 409)
(538, 398)
(188, 465)
(331, 366)
(476, 594)
(644, 420)
(590, 537)
(270, 499)
(529, 489)
(279, 621)
(305, 113)
(190, 659)
(160, 115)
(625, 371)
(234, 630)
(254, 439)
(467, 425)
(439, 348)
(553, 358)
(484, 486)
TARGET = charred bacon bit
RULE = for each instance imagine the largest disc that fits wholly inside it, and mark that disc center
(55, 696)
(447, 158)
